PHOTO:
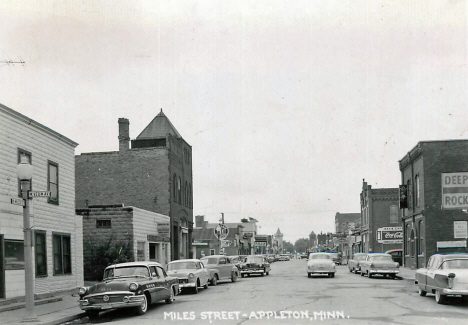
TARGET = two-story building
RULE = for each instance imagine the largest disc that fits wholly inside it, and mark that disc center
(57, 231)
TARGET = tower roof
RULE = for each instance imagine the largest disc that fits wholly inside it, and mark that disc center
(158, 128)
(278, 233)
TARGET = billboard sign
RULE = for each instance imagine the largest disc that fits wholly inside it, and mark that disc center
(390, 235)
(455, 190)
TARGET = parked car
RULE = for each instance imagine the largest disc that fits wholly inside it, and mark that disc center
(221, 268)
(129, 285)
(255, 264)
(353, 264)
(379, 263)
(445, 275)
(191, 273)
(336, 257)
(397, 255)
(304, 256)
(320, 263)
(284, 257)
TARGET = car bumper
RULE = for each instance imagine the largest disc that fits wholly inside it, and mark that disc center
(251, 271)
(320, 271)
(133, 301)
(384, 271)
(455, 292)
(187, 285)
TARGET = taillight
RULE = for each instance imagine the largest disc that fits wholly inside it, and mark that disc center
(451, 276)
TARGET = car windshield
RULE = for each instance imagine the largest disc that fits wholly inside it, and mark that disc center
(210, 260)
(254, 259)
(129, 271)
(382, 258)
(181, 266)
(455, 264)
(319, 257)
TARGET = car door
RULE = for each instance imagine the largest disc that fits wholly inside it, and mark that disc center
(223, 268)
(431, 272)
(162, 285)
(204, 273)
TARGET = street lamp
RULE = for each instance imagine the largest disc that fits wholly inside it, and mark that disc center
(24, 171)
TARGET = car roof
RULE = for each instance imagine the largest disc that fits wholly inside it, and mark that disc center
(217, 256)
(185, 260)
(140, 263)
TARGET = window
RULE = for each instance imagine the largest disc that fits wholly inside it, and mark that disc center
(190, 195)
(52, 183)
(140, 251)
(103, 223)
(14, 255)
(393, 214)
(410, 195)
(416, 190)
(26, 154)
(174, 186)
(179, 191)
(186, 194)
(407, 239)
(421, 239)
(212, 252)
(161, 271)
(62, 254)
(41, 253)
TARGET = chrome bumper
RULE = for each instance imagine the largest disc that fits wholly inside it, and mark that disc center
(455, 292)
(133, 301)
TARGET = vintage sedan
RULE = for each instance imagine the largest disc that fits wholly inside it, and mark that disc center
(320, 263)
(191, 273)
(221, 268)
(353, 264)
(379, 263)
(255, 264)
(129, 285)
(445, 275)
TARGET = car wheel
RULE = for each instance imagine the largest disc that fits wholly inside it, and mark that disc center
(242, 275)
(206, 285)
(141, 310)
(268, 273)
(214, 281)
(362, 273)
(440, 298)
(393, 276)
(369, 275)
(309, 275)
(262, 274)
(421, 292)
(234, 277)
(170, 300)
(92, 314)
(332, 275)
(195, 289)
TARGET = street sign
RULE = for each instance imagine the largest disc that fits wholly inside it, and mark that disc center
(32, 194)
(460, 229)
(17, 201)
(221, 231)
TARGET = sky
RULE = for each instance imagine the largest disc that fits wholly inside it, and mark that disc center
(288, 105)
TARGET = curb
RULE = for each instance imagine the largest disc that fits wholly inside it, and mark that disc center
(64, 319)
(19, 305)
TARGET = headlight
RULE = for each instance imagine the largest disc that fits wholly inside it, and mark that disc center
(191, 276)
(133, 286)
(82, 291)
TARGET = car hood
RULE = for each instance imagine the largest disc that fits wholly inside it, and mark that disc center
(111, 285)
(183, 273)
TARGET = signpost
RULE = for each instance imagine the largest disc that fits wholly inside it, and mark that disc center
(17, 201)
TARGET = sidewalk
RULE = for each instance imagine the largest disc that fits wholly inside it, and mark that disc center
(406, 274)
(49, 312)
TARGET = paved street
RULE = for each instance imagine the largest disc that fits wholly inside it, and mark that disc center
(287, 296)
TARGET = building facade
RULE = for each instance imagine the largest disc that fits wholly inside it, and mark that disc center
(344, 223)
(57, 231)
(155, 174)
(434, 182)
(115, 232)
(381, 225)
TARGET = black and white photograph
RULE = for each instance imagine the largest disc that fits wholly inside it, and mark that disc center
(233, 162)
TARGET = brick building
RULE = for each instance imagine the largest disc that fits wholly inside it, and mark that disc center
(138, 234)
(435, 174)
(344, 223)
(57, 231)
(381, 225)
(155, 174)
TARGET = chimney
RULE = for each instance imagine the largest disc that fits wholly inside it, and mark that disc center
(199, 221)
(124, 134)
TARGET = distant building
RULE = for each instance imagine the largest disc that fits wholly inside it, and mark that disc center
(278, 242)
(155, 174)
(344, 222)
(381, 225)
(125, 234)
(57, 231)
(435, 179)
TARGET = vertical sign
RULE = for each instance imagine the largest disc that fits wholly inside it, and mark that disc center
(460, 229)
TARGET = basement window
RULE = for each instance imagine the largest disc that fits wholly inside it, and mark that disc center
(103, 223)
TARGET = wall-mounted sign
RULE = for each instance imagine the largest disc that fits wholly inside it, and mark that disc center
(455, 190)
(460, 229)
(164, 229)
(390, 235)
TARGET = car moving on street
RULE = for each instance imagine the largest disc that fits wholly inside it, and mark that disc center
(445, 275)
(353, 264)
(379, 263)
(320, 263)
(129, 285)
(192, 274)
(255, 264)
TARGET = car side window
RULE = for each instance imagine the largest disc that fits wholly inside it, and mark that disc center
(429, 263)
(202, 265)
(161, 272)
(222, 261)
(153, 271)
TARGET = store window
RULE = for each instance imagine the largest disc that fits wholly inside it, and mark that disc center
(41, 253)
(393, 214)
(62, 254)
(52, 182)
(14, 254)
(140, 251)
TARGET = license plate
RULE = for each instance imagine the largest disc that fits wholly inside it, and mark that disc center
(106, 306)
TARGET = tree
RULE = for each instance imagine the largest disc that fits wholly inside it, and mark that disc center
(301, 245)
(288, 247)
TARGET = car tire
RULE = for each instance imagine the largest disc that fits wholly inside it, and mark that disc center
(234, 277)
(421, 292)
(262, 274)
(141, 310)
(369, 275)
(242, 275)
(268, 273)
(206, 286)
(440, 298)
(332, 275)
(195, 289)
(393, 276)
(214, 281)
(92, 314)
(170, 300)
(309, 275)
